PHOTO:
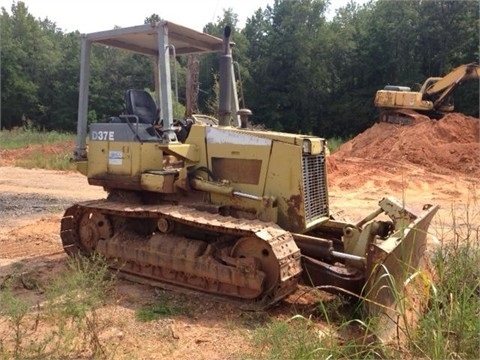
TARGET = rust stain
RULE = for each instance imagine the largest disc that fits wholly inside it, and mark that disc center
(294, 211)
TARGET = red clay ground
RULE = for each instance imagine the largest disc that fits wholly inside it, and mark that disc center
(430, 162)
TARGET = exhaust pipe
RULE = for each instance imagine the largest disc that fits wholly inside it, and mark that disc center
(225, 96)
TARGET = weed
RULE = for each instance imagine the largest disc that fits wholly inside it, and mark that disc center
(74, 298)
(434, 319)
(15, 310)
(81, 288)
(449, 330)
(253, 319)
(293, 339)
(163, 307)
(68, 319)
(338, 309)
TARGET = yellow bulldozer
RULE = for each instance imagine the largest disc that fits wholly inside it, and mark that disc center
(216, 207)
(398, 104)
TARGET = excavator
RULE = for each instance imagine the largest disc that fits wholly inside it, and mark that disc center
(216, 207)
(400, 105)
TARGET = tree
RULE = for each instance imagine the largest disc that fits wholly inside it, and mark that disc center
(300, 72)
(286, 64)
(19, 74)
(64, 99)
(33, 86)
(152, 19)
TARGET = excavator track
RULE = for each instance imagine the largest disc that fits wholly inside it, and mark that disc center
(248, 260)
(402, 116)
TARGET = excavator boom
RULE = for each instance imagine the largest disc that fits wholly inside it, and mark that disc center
(445, 86)
(451, 81)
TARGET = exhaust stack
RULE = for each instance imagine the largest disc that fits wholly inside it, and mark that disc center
(225, 96)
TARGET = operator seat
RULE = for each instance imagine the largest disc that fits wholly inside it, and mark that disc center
(140, 103)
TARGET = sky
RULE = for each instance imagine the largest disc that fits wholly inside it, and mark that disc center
(97, 15)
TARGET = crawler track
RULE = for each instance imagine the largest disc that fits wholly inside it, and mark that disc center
(402, 116)
(250, 260)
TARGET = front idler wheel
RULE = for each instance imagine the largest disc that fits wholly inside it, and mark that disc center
(93, 227)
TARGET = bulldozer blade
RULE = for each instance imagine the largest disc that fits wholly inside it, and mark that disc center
(393, 292)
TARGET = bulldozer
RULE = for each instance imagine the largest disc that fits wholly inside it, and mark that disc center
(211, 205)
(401, 105)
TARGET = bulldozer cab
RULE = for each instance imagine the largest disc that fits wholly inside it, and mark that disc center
(162, 41)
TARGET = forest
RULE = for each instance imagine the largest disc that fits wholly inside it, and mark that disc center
(301, 72)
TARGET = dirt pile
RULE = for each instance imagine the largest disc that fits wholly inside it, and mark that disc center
(446, 146)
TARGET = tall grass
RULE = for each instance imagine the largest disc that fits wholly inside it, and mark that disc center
(40, 159)
(67, 324)
(19, 138)
(448, 328)
(35, 149)
(451, 327)
(301, 337)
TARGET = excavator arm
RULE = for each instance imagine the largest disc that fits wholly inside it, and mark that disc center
(443, 87)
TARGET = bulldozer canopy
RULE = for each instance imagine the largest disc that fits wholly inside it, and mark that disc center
(144, 39)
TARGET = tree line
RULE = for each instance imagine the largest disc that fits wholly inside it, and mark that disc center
(301, 71)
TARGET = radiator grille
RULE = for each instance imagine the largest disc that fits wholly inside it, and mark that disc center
(314, 187)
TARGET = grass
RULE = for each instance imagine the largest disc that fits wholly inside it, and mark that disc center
(162, 308)
(451, 327)
(294, 338)
(448, 328)
(66, 323)
(20, 138)
(57, 161)
(301, 337)
(44, 150)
